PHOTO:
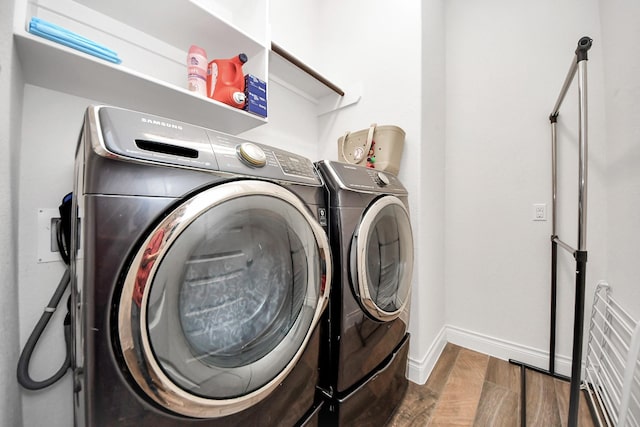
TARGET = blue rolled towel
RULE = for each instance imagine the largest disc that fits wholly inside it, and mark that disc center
(68, 38)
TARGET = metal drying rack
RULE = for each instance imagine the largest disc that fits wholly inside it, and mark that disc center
(579, 65)
(613, 362)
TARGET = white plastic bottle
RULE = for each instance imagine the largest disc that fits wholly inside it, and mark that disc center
(197, 70)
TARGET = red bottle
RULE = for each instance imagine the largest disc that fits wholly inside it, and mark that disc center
(225, 80)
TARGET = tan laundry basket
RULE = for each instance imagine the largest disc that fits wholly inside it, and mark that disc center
(377, 147)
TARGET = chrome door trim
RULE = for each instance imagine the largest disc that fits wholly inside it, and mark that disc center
(132, 327)
(361, 259)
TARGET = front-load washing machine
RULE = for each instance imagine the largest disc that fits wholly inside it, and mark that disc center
(364, 344)
(200, 271)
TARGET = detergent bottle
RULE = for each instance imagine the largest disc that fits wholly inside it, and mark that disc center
(225, 80)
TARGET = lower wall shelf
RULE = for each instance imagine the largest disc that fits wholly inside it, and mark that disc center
(59, 68)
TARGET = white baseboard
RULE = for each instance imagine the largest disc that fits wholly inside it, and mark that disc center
(419, 370)
(506, 350)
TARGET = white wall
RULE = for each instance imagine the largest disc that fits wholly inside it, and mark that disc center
(10, 106)
(377, 45)
(620, 33)
(506, 62)
(295, 27)
(51, 125)
(428, 312)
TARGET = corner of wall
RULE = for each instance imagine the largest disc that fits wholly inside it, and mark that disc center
(12, 84)
(419, 370)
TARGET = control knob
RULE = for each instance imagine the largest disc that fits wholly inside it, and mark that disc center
(251, 154)
(381, 179)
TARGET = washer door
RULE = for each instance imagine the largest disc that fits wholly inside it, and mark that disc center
(381, 259)
(222, 297)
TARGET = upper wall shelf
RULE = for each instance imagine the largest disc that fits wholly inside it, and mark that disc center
(290, 58)
(152, 76)
(56, 67)
(222, 27)
(293, 73)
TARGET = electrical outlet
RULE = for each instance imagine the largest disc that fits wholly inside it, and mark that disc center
(539, 212)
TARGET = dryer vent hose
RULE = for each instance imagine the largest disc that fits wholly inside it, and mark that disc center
(25, 357)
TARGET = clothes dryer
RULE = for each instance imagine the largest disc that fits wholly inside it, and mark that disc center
(200, 270)
(365, 341)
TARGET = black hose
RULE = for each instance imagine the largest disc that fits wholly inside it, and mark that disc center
(62, 247)
(25, 357)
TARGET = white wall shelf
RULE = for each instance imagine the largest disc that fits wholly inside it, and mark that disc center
(152, 40)
(224, 28)
(309, 83)
(56, 67)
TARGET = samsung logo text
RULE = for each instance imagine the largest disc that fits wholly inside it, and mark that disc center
(161, 123)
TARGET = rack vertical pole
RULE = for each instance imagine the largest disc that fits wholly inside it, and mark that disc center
(581, 254)
(554, 246)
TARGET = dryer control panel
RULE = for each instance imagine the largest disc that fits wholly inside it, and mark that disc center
(145, 138)
(359, 178)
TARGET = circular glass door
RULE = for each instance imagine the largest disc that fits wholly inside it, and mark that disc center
(222, 298)
(382, 259)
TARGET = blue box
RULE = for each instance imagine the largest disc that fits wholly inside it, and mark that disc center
(256, 104)
(256, 109)
(255, 85)
(256, 90)
(256, 93)
(257, 99)
(252, 80)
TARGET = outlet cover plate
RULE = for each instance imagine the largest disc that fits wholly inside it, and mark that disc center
(47, 250)
(539, 212)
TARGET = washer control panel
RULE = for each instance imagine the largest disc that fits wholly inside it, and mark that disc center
(134, 136)
(237, 155)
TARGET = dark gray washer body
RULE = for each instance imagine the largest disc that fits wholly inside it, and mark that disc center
(120, 194)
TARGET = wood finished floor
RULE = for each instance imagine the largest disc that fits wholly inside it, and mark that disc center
(467, 388)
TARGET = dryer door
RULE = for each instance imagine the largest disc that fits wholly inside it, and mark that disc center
(221, 298)
(382, 259)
